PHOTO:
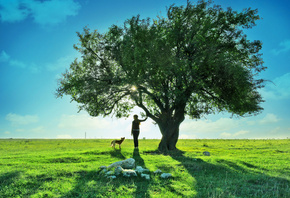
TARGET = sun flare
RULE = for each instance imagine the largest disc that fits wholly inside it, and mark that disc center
(133, 88)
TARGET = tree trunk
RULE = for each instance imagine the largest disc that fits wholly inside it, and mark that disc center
(170, 134)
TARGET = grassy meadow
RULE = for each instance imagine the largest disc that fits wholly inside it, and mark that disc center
(70, 168)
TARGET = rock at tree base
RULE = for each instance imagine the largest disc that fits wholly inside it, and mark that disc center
(146, 176)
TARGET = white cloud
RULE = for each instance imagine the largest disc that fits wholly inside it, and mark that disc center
(279, 90)
(54, 11)
(234, 135)
(275, 130)
(208, 126)
(5, 58)
(83, 122)
(98, 127)
(21, 120)
(284, 47)
(49, 12)
(39, 129)
(61, 63)
(10, 11)
(240, 133)
(94, 127)
(17, 63)
(226, 127)
(184, 136)
(226, 135)
(64, 137)
(268, 119)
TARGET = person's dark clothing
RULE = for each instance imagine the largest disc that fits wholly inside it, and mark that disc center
(135, 124)
(135, 136)
(136, 131)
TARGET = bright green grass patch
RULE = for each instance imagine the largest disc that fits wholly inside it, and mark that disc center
(69, 168)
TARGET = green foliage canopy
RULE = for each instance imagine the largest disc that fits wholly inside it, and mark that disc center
(196, 61)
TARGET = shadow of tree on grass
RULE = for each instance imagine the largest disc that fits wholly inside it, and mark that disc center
(225, 178)
(6, 180)
(14, 184)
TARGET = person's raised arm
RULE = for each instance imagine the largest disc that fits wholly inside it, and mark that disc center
(144, 119)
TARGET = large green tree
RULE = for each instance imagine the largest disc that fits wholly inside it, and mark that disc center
(193, 62)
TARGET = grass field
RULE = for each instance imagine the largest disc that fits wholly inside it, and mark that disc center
(69, 168)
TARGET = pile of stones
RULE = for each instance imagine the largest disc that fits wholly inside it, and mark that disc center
(126, 168)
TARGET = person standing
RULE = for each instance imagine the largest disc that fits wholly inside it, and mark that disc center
(136, 129)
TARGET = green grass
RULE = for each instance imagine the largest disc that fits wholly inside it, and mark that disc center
(69, 168)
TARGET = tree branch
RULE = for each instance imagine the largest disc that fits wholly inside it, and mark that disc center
(147, 112)
(156, 100)
(213, 97)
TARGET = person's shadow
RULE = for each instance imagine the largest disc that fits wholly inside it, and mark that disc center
(142, 184)
(138, 159)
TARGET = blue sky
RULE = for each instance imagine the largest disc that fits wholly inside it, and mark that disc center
(36, 46)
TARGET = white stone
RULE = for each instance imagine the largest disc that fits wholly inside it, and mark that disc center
(104, 171)
(139, 170)
(128, 164)
(206, 153)
(165, 175)
(115, 164)
(118, 170)
(112, 177)
(129, 173)
(146, 176)
(158, 171)
(110, 173)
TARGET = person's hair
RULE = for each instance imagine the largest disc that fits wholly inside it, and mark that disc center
(135, 116)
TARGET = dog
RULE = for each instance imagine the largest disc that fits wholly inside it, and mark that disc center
(114, 142)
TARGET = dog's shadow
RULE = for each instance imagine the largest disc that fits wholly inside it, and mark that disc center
(117, 154)
(114, 153)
